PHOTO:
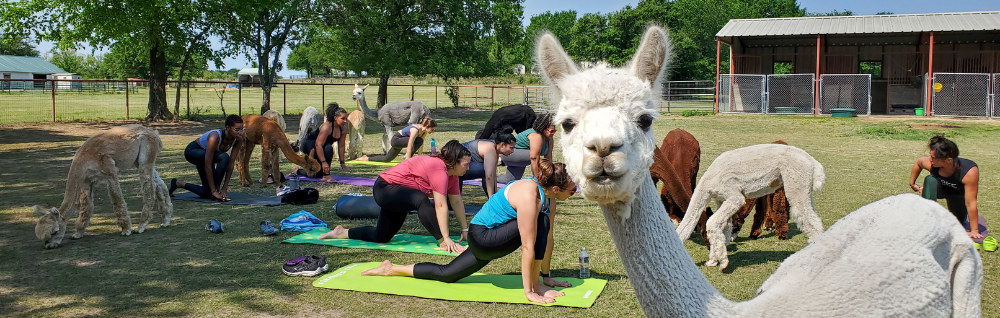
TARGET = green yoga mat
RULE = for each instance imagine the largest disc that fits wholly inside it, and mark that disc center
(409, 243)
(478, 287)
(374, 163)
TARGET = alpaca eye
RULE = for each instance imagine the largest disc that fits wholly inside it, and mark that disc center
(568, 125)
(645, 121)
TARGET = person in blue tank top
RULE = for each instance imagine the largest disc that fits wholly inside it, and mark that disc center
(951, 178)
(486, 156)
(519, 216)
(209, 155)
(410, 138)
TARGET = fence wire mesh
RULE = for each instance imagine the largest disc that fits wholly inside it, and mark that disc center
(996, 95)
(790, 93)
(741, 93)
(961, 94)
(845, 91)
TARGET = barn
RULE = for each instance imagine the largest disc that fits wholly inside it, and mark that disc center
(25, 68)
(937, 64)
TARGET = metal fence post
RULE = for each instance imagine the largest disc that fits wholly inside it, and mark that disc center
(53, 99)
(284, 99)
(126, 99)
(239, 101)
(322, 88)
(188, 99)
(435, 97)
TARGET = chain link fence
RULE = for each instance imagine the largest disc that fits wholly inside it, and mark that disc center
(790, 93)
(961, 94)
(996, 95)
(741, 93)
(845, 91)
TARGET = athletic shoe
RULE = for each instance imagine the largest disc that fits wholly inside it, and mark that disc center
(267, 228)
(305, 266)
(214, 226)
(990, 244)
(173, 186)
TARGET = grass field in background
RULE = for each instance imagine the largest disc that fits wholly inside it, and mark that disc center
(183, 270)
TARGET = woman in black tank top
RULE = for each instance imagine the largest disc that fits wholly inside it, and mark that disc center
(951, 178)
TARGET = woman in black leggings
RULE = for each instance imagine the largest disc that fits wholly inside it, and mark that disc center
(517, 216)
(406, 186)
(208, 154)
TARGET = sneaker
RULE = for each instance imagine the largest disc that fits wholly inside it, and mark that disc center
(283, 190)
(173, 186)
(990, 244)
(305, 266)
(267, 228)
(214, 226)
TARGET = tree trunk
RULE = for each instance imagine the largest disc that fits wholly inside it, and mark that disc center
(157, 107)
(383, 89)
(265, 81)
(180, 77)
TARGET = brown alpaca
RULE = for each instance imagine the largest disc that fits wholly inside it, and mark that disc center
(355, 141)
(98, 163)
(259, 130)
(772, 213)
(676, 162)
(273, 157)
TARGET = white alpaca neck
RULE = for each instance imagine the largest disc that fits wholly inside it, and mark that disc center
(665, 279)
(371, 113)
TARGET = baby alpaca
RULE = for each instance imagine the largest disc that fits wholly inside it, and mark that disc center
(97, 163)
(752, 172)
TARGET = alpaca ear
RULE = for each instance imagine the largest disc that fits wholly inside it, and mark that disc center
(553, 60)
(366, 87)
(356, 85)
(40, 211)
(652, 56)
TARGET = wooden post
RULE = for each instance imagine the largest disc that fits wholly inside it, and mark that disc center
(492, 101)
(718, 51)
(322, 88)
(930, 76)
(126, 99)
(284, 99)
(413, 93)
(188, 99)
(476, 98)
(668, 97)
(435, 97)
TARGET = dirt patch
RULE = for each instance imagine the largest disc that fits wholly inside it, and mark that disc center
(934, 126)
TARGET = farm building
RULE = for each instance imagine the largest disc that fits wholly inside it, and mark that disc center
(249, 76)
(945, 63)
(27, 68)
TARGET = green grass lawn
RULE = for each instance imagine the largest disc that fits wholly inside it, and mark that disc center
(185, 271)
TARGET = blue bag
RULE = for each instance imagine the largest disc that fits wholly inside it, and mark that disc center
(302, 221)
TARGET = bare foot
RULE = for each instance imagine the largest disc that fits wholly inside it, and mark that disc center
(338, 232)
(362, 158)
(384, 269)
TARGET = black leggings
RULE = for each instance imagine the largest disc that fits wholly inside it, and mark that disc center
(956, 201)
(396, 201)
(485, 245)
(195, 154)
(398, 143)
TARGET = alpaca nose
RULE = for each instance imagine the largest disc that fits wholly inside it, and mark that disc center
(603, 147)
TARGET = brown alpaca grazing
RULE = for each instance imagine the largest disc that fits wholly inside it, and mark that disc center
(98, 163)
(676, 162)
(772, 213)
(356, 137)
(259, 130)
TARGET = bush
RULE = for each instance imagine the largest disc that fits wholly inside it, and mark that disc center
(452, 92)
(694, 112)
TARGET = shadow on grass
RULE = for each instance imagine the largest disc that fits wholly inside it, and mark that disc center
(13, 136)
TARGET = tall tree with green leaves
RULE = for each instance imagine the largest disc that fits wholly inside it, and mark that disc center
(18, 47)
(262, 29)
(157, 29)
(560, 23)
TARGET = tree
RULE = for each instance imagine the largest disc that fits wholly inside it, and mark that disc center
(590, 40)
(262, 28)
(157, 29)
(312, 53)
(559, 23)
(18, 47)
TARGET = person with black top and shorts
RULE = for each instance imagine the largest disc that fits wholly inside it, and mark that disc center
(951, 178)
(333, 129)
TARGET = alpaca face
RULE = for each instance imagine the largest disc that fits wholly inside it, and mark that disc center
(48, 224)
(359, 92)
(605, 115)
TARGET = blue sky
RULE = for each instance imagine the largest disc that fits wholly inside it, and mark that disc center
(859, 7)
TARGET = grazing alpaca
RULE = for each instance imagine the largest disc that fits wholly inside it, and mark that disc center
(310, 121)
(676, 162)
(98, 163)
(772, 213)
(902, 256)
(273, 156)
(751, 172)
(356, 138)
(391, 114)
(266, 133)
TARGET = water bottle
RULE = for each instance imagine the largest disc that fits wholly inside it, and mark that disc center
(584, 263)
(293, 183)
(434, 148)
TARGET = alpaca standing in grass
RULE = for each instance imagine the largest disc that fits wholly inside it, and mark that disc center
(310, 121)
(676, 163)
(772, 213)
(98, 163)
(391, 114)
(274, 155)
(266, 133)
(752, 172)
(901, 256)
(356, 136)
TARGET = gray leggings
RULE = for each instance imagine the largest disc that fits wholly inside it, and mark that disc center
(516, 163)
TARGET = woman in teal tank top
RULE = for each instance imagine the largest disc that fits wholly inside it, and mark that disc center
(531, 146)
(497, 231)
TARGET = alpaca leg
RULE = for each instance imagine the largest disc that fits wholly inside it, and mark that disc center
(243, 164)
(265, 163)
(385, 138)
(702, 223)
(716, 226)
(163, 203)
(763, 207)
(121, 209)
(778, 214)
(741, 216)
(803, 212)
(275, 166)
(148, 197)
(86, 210)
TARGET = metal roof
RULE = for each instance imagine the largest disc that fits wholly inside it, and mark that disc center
(867, 24)
(27, 64)
(249, 71)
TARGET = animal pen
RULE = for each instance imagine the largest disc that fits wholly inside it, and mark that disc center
(940, 64)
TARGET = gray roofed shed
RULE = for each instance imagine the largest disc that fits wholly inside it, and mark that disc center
(871, 24)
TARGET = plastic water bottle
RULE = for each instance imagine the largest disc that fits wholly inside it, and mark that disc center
(434, 148)
(584, 263)
(293, 183)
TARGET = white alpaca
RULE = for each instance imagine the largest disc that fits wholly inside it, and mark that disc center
(903, 256)
(97, 163)
(310, 121)
(391, 114)
(752, 172)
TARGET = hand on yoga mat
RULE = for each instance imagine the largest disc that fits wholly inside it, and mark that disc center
(548, 281)
(448, 245)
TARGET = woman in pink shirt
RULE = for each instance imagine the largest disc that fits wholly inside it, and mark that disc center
(407, 186)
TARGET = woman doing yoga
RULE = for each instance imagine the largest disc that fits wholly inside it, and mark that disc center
(531, 145)
(333, 129)
(209, 155)
(485, 156)
(518, 216)
(410, 138)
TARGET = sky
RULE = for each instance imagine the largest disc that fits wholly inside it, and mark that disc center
(859, 7)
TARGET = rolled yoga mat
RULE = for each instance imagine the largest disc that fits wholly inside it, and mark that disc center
(237, 199)
(408, 243)
(477, 288)
(364, 207)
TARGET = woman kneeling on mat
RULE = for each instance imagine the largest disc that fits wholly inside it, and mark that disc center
(951, 178)
(531, 145)
(406, 186)
(208, 154)
(334, 129)
(485, 156)
(410, 138)
(518, 216)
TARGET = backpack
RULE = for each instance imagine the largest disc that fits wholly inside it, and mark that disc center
(302, 221)
(300, 196)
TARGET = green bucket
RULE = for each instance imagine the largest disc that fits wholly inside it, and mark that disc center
(785, 110)
(842, 112)
(918, 111)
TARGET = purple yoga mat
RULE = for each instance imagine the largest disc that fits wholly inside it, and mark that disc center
(982, 229)
(369, 182)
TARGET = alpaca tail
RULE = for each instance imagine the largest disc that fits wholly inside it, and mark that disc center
(699, 201)
(819, 176)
